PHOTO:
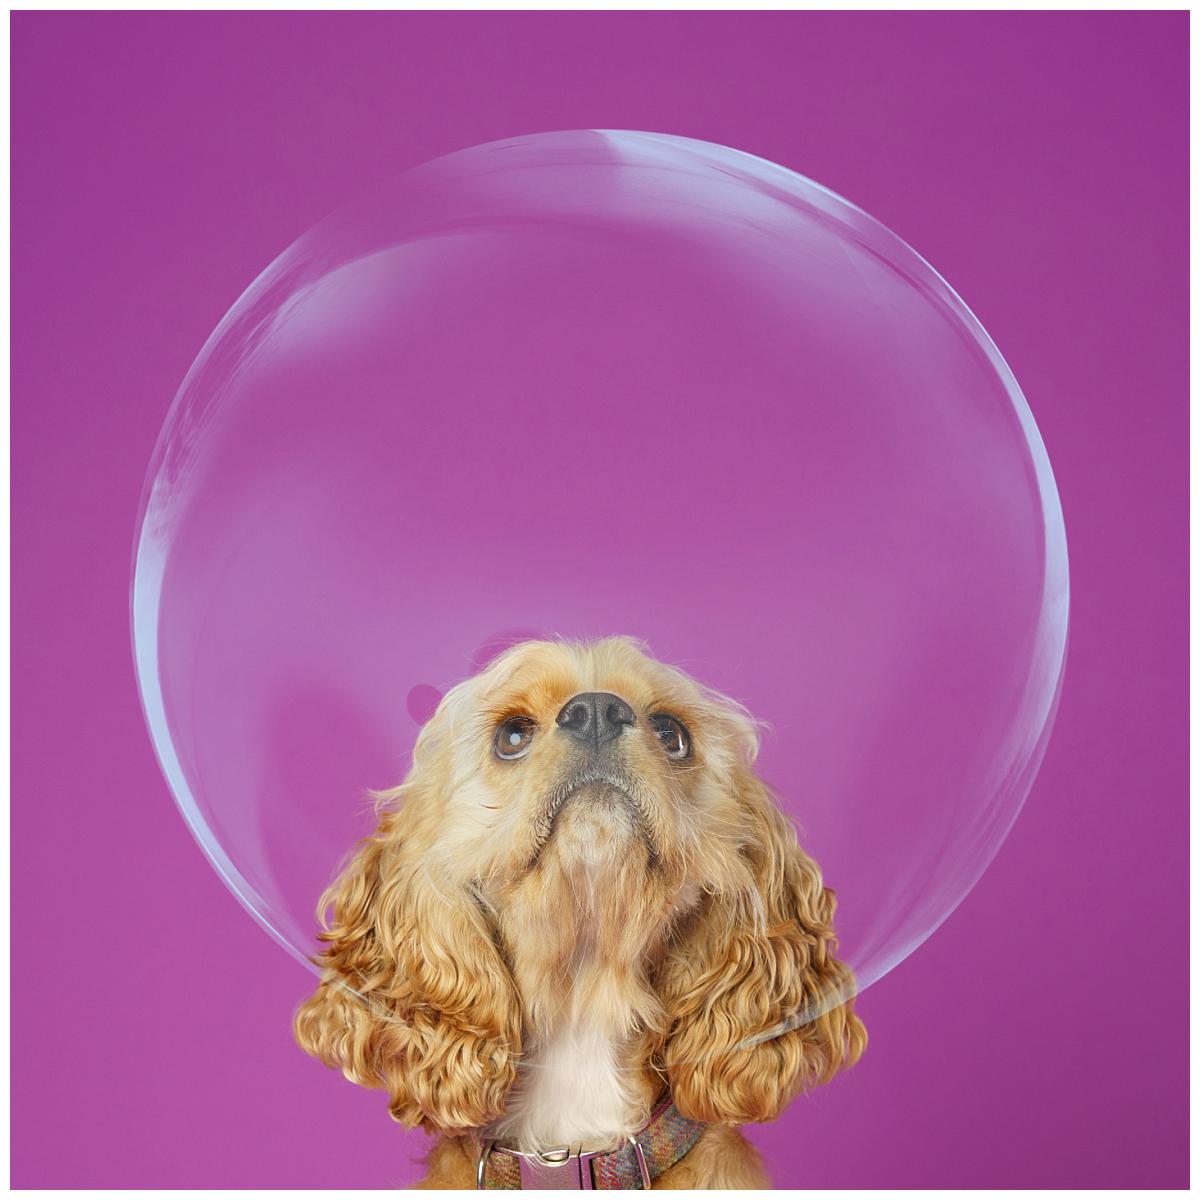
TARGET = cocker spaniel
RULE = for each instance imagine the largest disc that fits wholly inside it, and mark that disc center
(583, 944)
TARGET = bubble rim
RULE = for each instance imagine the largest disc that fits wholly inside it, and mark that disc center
(852, 221)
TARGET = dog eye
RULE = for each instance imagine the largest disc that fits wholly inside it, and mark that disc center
(673, 734)
(514, 737)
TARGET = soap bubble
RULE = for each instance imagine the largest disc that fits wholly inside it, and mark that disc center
(594, 383)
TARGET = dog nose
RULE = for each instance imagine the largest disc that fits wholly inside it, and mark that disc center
(595, 717)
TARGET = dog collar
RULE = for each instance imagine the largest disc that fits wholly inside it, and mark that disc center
(659, 1145)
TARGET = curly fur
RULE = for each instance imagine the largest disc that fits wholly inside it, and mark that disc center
(536, 948)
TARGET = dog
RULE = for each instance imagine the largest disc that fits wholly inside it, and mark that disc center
(582, 944)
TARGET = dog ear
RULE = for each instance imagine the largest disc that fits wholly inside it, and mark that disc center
(759, 1007)
(415, 996)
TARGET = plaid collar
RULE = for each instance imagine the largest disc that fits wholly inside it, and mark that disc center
(659, 1145)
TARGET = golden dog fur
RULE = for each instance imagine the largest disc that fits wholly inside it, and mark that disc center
(537, 948)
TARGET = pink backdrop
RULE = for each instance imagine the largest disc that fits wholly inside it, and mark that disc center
(1038, 161)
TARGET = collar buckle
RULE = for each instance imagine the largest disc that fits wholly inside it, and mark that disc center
(567, 1168)
(556, 1169)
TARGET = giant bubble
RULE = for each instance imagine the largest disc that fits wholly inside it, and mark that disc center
(591, 383)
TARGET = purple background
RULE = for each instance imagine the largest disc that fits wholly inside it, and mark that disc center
(1039, 161)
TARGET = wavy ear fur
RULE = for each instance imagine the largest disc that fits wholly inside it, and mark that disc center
(435, 1020)
(760, 1008)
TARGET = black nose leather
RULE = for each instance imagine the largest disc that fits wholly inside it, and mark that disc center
(595, 717)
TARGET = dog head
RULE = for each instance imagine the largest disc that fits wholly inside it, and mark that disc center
(583, 813)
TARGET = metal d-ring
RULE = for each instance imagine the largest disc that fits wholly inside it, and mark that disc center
(640, 1155)
(485, 1152)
